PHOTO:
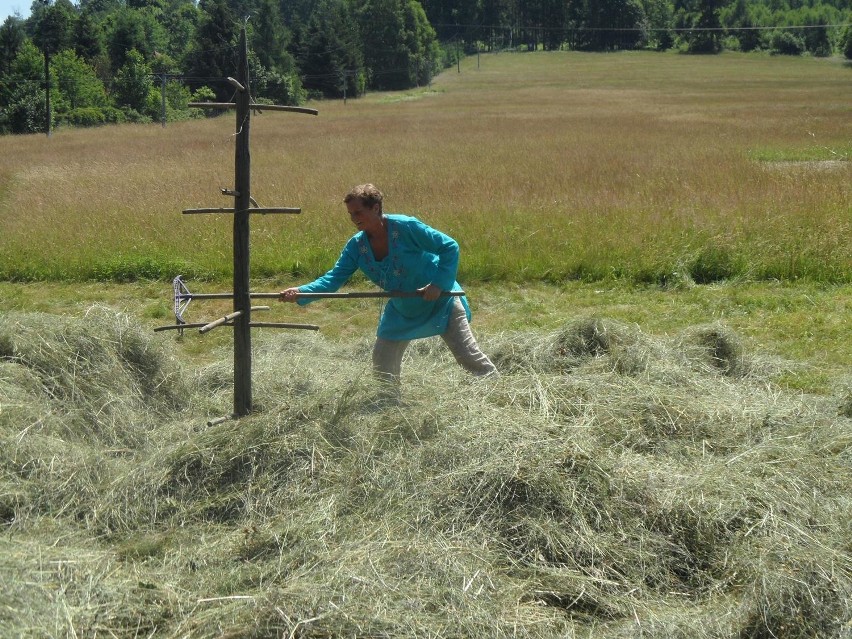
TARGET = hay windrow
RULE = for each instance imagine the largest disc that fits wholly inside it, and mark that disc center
(609, 483)
(102, 369)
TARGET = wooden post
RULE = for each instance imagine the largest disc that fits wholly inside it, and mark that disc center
(241, 315)
(242, 203)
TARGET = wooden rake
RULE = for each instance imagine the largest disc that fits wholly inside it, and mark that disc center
(183, 296)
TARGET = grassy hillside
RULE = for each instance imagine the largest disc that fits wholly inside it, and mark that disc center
(553, 166)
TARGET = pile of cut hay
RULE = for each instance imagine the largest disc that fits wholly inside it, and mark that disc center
(609, 483)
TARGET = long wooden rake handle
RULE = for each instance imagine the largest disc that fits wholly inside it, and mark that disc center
(183, 297)
(352, 295)
(359, 294)
(180, 327)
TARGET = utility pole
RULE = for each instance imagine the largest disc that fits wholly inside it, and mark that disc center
(46, 90)
(163, 97)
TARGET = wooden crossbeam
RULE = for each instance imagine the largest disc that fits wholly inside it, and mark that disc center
(307, 327)
(180, 327)
(257, 107)
(262, 210)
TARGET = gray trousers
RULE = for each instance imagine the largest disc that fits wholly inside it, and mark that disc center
(387, 353)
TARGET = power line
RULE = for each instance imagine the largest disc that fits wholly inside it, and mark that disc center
(642, 29)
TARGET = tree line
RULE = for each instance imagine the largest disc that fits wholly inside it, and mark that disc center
(693, 26)
(104, 61)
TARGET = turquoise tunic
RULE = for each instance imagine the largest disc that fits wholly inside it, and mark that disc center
(417, 255)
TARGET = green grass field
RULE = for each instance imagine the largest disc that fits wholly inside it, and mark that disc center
(657, 252)
(553, 166)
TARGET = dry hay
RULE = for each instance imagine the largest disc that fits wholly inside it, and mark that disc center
(100, 373)
(845, 403)
(609, 483)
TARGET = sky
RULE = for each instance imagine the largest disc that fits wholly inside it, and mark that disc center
(8, 7)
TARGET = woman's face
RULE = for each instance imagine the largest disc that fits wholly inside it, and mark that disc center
(367, 219)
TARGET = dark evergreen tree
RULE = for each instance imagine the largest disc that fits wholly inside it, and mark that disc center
(399, 43)
(269, 38)
(12, 37)
(274, 73)
(453, 19)
(157, 5)
(180, 21)
(553, 17)
(296, 12)
(23, 106)
(99, 8)
(126, 32)
(495, 16)
(737, 19)
(213, 56)
(53, 26)
(330, 55)
(88, 38)
(702, 23)
(659, 17)
(608, 25)
(814, 32)
(386, 53)
(243, 10)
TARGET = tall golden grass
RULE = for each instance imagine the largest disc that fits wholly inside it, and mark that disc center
(544, 166)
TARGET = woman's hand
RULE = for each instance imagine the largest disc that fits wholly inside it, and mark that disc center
(430, 292)
(288, 295)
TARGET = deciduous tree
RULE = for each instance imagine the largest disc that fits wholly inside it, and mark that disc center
(133, 83)
(79, 86)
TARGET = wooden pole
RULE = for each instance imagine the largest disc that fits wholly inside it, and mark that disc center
(180, 327)
(242, 203)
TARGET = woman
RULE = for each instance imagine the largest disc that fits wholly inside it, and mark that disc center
(401, 253)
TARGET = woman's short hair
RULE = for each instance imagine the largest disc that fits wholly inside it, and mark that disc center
(369, 195)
